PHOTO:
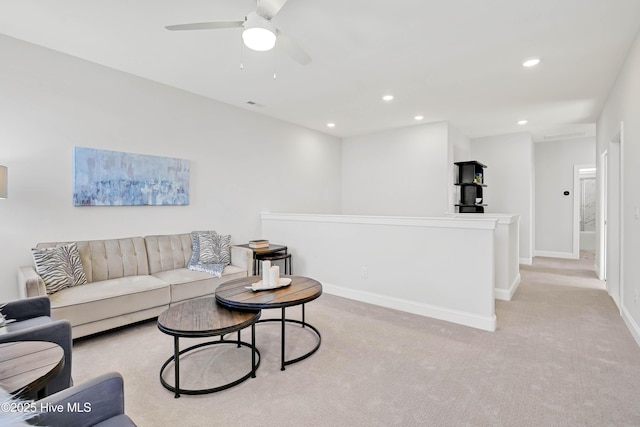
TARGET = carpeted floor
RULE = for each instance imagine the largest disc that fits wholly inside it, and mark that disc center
(561, 356)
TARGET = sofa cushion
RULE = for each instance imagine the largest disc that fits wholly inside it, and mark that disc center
(109, 298)
(60, 267)
(186, 284)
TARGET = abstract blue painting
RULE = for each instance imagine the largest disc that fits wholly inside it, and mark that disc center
(113, 178)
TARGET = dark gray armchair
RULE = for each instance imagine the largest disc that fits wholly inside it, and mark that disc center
(33, 322)
(98, 402)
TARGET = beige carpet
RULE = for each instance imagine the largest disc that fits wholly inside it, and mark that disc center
(561, 357)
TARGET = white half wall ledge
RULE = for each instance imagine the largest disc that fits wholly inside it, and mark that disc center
(502, 218)
(485, 323)
(507, 251)
(451, 221)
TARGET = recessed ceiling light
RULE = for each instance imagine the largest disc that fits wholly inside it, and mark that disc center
(531, 62)
(419, 117)
(523, 122)
(387, 97)
(331, 125)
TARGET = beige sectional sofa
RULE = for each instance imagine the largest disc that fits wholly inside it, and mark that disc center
(130, 280)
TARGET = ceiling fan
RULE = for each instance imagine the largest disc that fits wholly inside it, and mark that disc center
(258, 32)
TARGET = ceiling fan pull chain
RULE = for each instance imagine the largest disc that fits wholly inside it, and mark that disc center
(275, 63)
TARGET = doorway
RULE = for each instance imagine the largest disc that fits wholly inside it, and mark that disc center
(584, 209)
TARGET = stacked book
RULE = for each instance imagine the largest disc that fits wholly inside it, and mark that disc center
(258, 244)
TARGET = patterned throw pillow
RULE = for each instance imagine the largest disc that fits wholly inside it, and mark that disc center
(60, 267)
(210, 252)
(213, 248)
(207, 247)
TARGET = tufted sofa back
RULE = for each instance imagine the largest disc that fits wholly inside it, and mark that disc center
(168, 252)
(111, 259)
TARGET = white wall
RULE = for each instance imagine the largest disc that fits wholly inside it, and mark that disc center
(459, 151)
(623, 105)
(403, 172)
(50, 102)
(554, 163)
(509, 178)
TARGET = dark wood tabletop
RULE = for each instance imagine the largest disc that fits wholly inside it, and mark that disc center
(234, 293)
(204, 317)
(27, 366)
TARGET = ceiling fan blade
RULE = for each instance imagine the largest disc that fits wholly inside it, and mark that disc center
(205, 25)
(292, 49)
(269, 8)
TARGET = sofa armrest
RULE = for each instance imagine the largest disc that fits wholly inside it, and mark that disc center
(30, 284)
(27, 308)
(242, 258)
(96, 400)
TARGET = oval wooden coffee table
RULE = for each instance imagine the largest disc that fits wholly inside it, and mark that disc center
(236, 295)
(27, 366)
(204, 317)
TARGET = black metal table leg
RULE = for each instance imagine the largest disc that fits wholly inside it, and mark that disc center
(253, 350)
(282, 339)
(176, 355)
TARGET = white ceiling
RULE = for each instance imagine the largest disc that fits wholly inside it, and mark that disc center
(455, 60)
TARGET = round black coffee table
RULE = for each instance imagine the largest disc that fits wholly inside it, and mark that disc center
(237, 294)
(204, 317)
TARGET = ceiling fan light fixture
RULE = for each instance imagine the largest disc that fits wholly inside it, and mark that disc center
(531, 62)
(259, 33)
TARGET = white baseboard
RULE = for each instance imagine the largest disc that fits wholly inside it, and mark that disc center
(486, 323)
(633, 326)
(507, 294)
(526, 261)
(553, 254)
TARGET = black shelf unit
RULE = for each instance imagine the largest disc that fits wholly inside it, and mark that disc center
(470, 179)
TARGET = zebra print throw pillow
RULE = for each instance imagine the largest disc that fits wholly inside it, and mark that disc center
(196, 263)
(59, 267)
(211, 248)
(222, 249)
(207, 247)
